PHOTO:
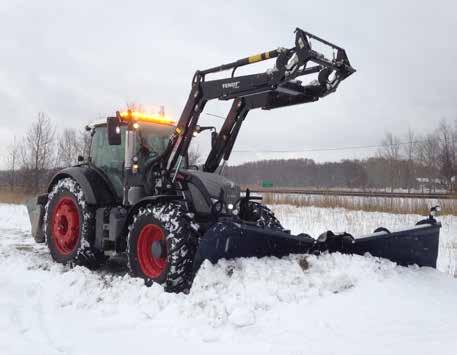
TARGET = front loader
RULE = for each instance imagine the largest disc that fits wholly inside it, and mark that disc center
(136, 195)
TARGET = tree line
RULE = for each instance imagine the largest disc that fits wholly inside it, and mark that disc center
(414, 161)
(32, 159)
(426, 162)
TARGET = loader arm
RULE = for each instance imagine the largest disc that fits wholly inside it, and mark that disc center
(277, 87)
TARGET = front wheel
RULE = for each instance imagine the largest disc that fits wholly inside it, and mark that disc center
(161, 246)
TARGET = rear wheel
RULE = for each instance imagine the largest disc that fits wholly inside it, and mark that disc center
(161, 246)
(65, 224)
(69, 226)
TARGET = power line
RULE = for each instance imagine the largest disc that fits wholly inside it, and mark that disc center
(214, 115)
(326, 149)
(317, 149)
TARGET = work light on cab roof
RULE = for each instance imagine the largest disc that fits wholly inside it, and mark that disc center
(146, 117)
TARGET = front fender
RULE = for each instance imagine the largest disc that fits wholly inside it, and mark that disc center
(97, 190)
(121, 243)
(150, 200)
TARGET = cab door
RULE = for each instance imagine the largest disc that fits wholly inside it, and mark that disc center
(109, 158)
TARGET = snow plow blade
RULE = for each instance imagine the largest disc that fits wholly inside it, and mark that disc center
(415, 246)
(227, 240)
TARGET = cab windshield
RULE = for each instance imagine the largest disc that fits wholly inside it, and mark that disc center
(152, 139)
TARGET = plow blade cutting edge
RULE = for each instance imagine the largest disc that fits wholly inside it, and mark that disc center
(414, 246)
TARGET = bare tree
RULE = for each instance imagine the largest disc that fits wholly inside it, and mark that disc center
(390, 152)
(194, 155)
(133, 106)
(37, 150)
(427, 154)
(409, 151)
(12, 161)
(71, 144)
(447, 156)
(84, 139)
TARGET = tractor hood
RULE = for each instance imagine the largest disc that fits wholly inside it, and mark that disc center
(207, 188)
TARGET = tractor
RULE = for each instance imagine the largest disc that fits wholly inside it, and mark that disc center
(136, 195)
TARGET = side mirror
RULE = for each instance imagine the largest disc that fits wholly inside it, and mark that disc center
(114, 130)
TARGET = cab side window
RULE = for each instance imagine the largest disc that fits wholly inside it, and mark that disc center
(109, 158)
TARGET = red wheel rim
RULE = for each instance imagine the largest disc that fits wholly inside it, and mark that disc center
(65, 225)
(152, 250)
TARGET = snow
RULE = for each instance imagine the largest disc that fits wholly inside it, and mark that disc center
(332, 304)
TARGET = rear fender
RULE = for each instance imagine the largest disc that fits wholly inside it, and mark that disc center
(97, 189)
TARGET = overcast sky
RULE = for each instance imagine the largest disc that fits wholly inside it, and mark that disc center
(81, 60)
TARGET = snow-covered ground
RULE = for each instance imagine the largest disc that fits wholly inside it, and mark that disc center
(332, 304)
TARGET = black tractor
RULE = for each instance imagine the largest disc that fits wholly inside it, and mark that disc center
(135, 194)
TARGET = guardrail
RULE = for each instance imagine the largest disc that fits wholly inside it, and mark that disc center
(304, 191)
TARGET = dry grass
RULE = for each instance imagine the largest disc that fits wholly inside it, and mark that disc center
(13, 196)
(369, 204)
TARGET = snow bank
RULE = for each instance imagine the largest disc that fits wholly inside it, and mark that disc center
(294, 305)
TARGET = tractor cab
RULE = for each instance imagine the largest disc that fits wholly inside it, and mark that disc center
(122, 146)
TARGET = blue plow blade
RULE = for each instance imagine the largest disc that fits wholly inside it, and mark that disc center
(227, 240)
